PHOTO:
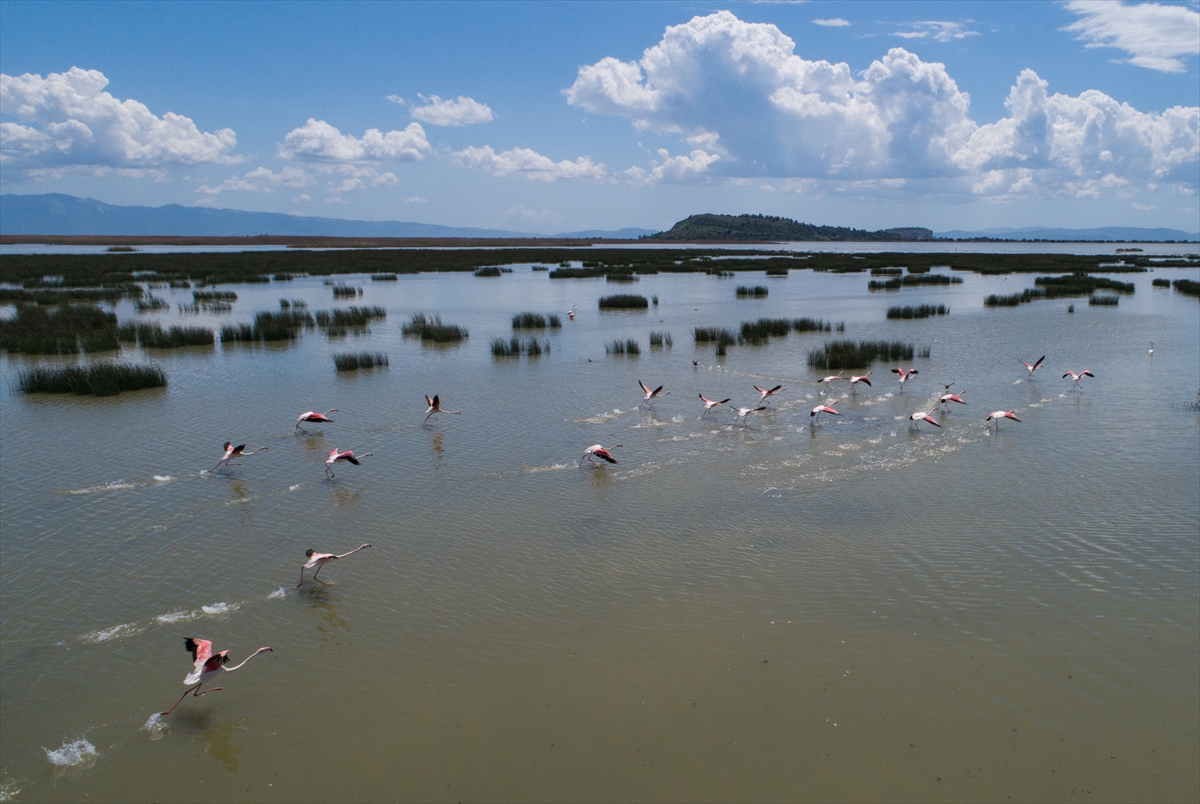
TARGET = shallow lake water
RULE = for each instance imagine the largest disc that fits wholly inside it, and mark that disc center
(853, 610)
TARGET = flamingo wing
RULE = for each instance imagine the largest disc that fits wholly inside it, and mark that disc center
(645, 388)
(200, 649)
(428, 401)
(350, 457)
(898, 371)
(658, 390)
(605, 455)
(1039, 361)
(1087, 373)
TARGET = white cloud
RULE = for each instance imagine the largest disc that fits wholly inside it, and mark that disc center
(396, 99)
(303, 197)
(320, 142)
(462, 111)
(69, 121)
(1155, 36)
(836, 22)
(528, 163)
(416, 199)
(936, 30)
(339, 179)
(1144, 207)
(531, 217)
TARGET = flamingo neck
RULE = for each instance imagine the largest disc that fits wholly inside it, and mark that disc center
(248, 658)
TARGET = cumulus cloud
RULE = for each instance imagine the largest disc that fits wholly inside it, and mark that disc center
(317, 141)
(339, 180)
(68, 121)
(836, 22)
(1154, 36)
(462, 111)
(528, 163)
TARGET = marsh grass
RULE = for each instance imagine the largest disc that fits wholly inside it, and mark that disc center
(540, 268)
(811, 325)
(346, 291)
(1079, 284)
(205, 307)
(199, 296)
(431, 328)
(150, 304)
(237, 333)
(628, 347)
(536, 321)
(920, 311)
(353, 361)
(755, 292)
(283, 277)
(63, 330)
(886, 271)
(1013, 299)
(567, 272)
(284, 325)
(46, 297)
(153, 336)
(777, 271)
(759, 332)
(384, 278)
(721, 348)
(913, 280)
(105, 378)
(722, 274)
(348, 317)
(294, 304)
(1161, 283)
(717, 335)
(624, 301)
(1103, 300)
(1187, 287)
(847, 354)
(659, 340)
(622, 277)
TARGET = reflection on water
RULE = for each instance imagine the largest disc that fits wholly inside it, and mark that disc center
(218, 742)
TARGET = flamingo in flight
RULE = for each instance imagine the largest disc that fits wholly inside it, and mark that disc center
(1077, 376)
(657, 392)
(232, 452)
(997, 415)
(948, 397)
(819, 409)
(600, 452)
(313, 416)
(709, 404)
(1034, 367)
(319, 560)
(826, 380)
(922, 416)
(767, 392)
(435, 407)
(338, 455)
(855, 379)
(905, 376)
(206, 664)
(742, 413)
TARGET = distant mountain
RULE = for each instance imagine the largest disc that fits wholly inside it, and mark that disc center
(629, 233)
(1133, 233)
(759, 228)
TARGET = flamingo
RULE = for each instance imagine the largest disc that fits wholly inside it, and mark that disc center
(905, 376)
(435, 407)
(826, 380)
(709, 404)
(206, 664)
(944, 398)
(742, 413)
(997, 415)
(856, 379)
(922, 416)
(571, 313)
(1151, 350)
(1034, 367)
(600, 452)
(766, 392)
(313, 416)
(1077, 376)
(337, 455)
(657, 392)
(232, 452)
(319, 560)
(819, 409)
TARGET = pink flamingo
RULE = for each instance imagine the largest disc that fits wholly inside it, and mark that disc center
(997, 415)
(232, 452)
(905, 376)
(206, 664)
(742, 413)
(1076, 377)
(313, 416)
(657, 392)
(709, 404)
(347, 456)
(571, 313)
(856, 379)
(922, 416)
(944, 398)
(819, 409)
(600, 452)
(319, 560)
(766, 392)
(435, 407)
(826, 380)
(1032, 368)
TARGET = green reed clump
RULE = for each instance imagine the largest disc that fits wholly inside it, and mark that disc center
(713, 335)
(237, 333)
(886, 271)
(431, 328)
(353, 361)
(1079, 284)
(1187, 286)
(721, 274)
(349, 317)
(1161, 283)
(1103, 300)
(810, 325)
(346, 291)
(63, 330)
(540, 268)
(517, 347)
(919, 311)
(626, 347)
(721, 348)
(621, 277)
(924, 351)
(756, 292)
(1070, 308)
(1014, 299)
(67, 295)
(777, 271)
(100, 379)
(567, 272)
(149, 304)
(624, 301)
(180, 283)
(384, 278)
(532, 347)
(282, 277)
(153, 336)
(857, 354)
(758, 332)
(284, 325)
(915, 279)
(487, 271)
(213, 296)
(659, 339)
(536, 321)
(120, 249)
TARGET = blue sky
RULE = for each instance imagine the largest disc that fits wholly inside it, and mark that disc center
(549, 117)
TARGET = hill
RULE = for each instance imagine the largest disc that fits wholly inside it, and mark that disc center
(760, 228)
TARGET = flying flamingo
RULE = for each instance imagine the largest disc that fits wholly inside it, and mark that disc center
(319, 560)
(1034, 367)
(313, 416)
(337, 455)
(600, 452)
(944, 398)
(206, 664)
(826, 380)
(742, 413)
(1077, 376)
(905, 376)
(657, 392)
(709, 404)
(997, 415)
(856, 379)
(819, 409)
(922, 416)
(232, 452)
(766, 392)
(435, 407)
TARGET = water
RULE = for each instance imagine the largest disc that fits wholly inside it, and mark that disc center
(857, 610)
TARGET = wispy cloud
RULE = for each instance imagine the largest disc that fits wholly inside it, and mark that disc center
(1156, 37)
(416, 199)
(462, 111)
(836, 22)
(939, 31)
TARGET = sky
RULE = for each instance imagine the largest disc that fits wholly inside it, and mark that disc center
(553, 117)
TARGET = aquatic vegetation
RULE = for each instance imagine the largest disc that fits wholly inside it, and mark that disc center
(205, 307)
(886, 271)
(1161, 283)
(492, 270)
(624, 301)
(384, 278)
(777, 272)
(540, 268)
(60, 331)
(1187, 286)
(213, 296)
(49, 297)
(348, 317)
(626, 347)
(837, 355)
(621, 277)
(352, 361)
(811, 325)
(431, 328)
(536, 321)
(713, 335)
(566, 272)
(282, 277)
(99, 379)
(660, 339)
(920, 311)
(913, 280)
(150, 304)
(722, 274)
(153, 336)
(1079, 285)
(517, 347)
(756, 292)
(294, 304)
(758, 332)
(346, 291)
(237, 333)
(1013, 299)
(1103, 300)
(284, 325)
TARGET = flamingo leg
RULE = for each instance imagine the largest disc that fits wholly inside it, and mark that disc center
(206, 692)
(301, 577)
(318, 580)
(181, 697)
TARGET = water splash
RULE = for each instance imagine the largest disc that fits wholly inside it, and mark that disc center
(176, 617)
(73, 754)
(155, 726)
(217, 609)
(114, 485)
(278, 593)
(105, 634)
(163, 478)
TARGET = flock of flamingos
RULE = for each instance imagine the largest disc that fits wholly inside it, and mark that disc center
(208, 665)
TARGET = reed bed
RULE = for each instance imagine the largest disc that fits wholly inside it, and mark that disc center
(106, 378)
(536, 321)
(346, 291)
(1014, 299)
(722, 274)
(626, 347)
(384, 278)
(431, 328)
(1080, 284)
(624, 301)
(777, 271)
(754, 292)
(1187, 287)
(1161, 283)
(153, 336)
(567, 272)
(1103, 300)
(283, 277)
(353, 361)
(814, 325)
(759, 332)
(621, 277)
(886, 271)
(206, 307)
(237, 333)
(63, 330)
(713, 335)
(120, 249)
(838, 355)
(48, 297)
(293, 304)
(659, 340)
(919, 311)
(284, 325)
(150, 304)
(540, 268)
(349, 317)
(213, 296)
(519, 347)
(913, 280)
